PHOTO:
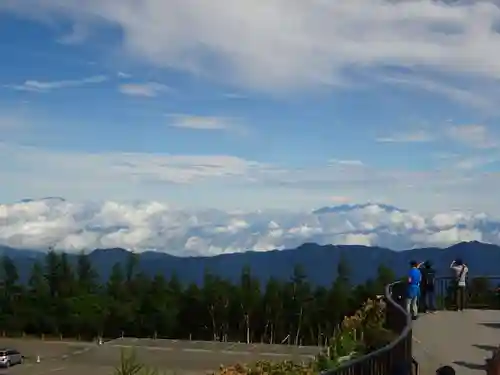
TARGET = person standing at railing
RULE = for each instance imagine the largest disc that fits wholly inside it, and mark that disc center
(413, 292)
(428, 297)
(461, 270)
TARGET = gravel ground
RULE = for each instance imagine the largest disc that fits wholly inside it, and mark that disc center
(170, 356)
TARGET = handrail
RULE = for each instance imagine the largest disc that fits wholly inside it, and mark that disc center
(470, 277)
(403, 335)
(444, 291)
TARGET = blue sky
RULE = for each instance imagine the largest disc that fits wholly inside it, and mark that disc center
(259, 105)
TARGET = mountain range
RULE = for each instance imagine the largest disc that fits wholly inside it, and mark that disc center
(319, 262)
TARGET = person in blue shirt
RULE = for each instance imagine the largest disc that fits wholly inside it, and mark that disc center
(414, 279)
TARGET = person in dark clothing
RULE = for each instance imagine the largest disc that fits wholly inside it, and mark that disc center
(427, 287)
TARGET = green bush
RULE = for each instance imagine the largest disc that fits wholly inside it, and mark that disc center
(130, 365)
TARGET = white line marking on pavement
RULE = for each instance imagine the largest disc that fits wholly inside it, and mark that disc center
(57, 369)
(113, 340)
(75, 343)
(235, 352)
(193, 350)
(50, 371)
(164, 348)
(274, 354)
(232, 346)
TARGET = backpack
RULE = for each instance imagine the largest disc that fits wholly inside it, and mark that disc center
(430, 277)
(460, 275)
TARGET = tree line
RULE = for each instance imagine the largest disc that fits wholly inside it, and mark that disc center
(67, 298)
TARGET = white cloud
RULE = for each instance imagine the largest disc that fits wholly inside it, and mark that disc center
(177, 169)
(231, 182)
(480, 94)
(199, 122)
(417, 136)
(143, 226)
(149, 89)
(476, 162)
(339, 199)
(78, 34)
(123, 75)
(272, 44)
(46, 86)
(204, 123)
(358, 163)
(476, 136)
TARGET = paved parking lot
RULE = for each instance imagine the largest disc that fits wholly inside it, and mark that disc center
(172, 356)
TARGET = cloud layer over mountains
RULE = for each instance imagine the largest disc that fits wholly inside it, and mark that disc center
(54, 222)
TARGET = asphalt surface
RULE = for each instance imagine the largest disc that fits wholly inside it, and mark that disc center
(462, 340)
(172, 356)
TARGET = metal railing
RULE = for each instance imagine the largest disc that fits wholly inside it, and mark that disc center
(482, 292)
(395, 356)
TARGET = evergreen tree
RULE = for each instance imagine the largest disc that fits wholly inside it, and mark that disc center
(341, 301)
(273, 310)
(11, 297)
(250, 296)
(65, 296)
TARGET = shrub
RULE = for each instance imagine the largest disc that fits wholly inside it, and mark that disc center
(130, 365)
(269, 368)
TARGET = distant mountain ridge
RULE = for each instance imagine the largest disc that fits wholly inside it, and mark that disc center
(352, 207)
(55, 199)
(319, 262)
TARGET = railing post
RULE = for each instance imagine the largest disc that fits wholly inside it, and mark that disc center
(395, 319)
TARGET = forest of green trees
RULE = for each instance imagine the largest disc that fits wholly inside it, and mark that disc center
(67, 299)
